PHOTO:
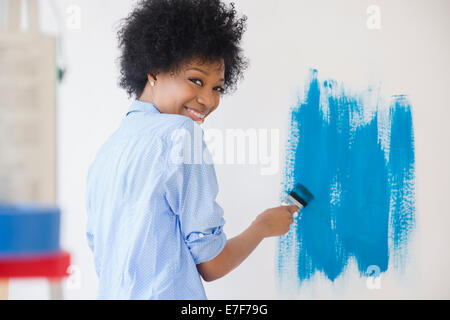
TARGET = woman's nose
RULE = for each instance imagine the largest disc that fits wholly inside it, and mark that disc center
(207, 100)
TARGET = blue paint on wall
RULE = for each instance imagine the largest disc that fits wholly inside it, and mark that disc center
(359, 164)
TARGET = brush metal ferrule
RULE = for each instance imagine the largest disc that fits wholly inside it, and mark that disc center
(292, 201)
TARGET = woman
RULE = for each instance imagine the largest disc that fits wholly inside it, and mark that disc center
(154, 226)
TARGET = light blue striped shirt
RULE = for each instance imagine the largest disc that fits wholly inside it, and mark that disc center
(151, 217)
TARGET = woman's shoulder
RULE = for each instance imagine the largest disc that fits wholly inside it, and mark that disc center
(180, 125)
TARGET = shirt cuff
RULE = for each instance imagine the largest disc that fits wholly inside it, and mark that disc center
(205, 246)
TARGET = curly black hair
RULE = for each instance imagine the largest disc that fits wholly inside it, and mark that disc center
(161, 35)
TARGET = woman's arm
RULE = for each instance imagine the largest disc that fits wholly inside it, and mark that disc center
(272, 222)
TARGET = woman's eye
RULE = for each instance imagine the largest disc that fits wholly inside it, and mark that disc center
(195, 81)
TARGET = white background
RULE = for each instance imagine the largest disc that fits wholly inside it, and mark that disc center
(409, 54)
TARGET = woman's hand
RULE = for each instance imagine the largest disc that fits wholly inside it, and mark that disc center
(276, 221)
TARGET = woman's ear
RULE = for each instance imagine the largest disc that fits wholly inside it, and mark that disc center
(151, 79)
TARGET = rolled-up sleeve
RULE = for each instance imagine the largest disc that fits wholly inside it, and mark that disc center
(191, 189)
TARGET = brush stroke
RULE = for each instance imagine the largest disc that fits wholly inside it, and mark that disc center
(359, 164)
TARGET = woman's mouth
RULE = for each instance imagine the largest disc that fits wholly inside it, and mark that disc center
(196, 116)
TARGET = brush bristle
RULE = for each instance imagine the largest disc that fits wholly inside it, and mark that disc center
(302, 194)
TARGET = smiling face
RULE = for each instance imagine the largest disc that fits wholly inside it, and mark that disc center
(195, 88)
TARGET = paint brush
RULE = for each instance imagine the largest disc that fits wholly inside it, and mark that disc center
(299, 196)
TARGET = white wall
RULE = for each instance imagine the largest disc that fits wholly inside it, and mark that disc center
(409, 54)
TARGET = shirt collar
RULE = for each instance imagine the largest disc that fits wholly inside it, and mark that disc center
(142, 106)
